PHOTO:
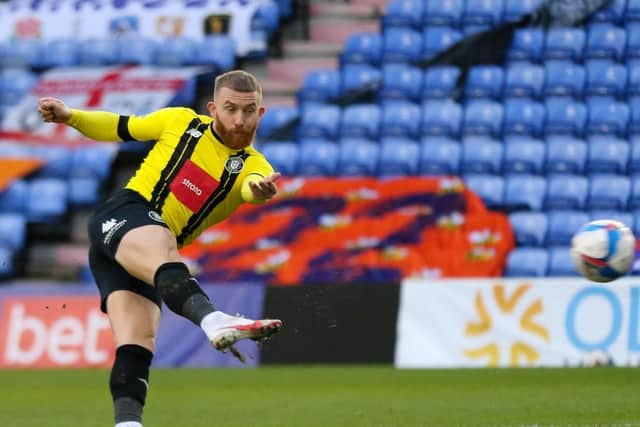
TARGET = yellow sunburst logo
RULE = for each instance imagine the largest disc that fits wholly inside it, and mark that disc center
(508, 306)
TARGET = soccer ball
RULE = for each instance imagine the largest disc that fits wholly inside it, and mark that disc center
(603, 250)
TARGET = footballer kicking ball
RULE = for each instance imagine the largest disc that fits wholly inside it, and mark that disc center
(603, 250)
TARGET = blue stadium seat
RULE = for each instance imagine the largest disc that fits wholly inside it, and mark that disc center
(605, 78)
(283, 156)
(19, 53)
(481, 155)
(403, 13)
(607, 117)
(527, 262)
(15, 84)
(565, 43)
(398, 156)
(445, 12)
(359, 77)
(440, 81)
(607, 155)
(527, 43)
(560, 262)
(400, 119)
(633, 71)
(361, 121)
(275, 119)
(634, 155)
(440, 156)
(13, 229)
(513, 10)
(634, 124)
(565, 117)
(7, 261)
(624, 217)
(523, 155)
(564, 78)
(319, 159)
(266, 18)
(441, 117)
(401, 45)
(634, 198)
(469, 30)
(437, 39)
(57, 161)
(613, 13)
(563, 224)
(483, 118)
(490, 188)
(92, 160)
(14, 198)
(47, 200)
(401, 81)
(57, 53)
(362, 48)
(94, 52)
(136, 51)
(175, 51)
(566, 191)
(566, 155)
(607, 191)
(358, 157)
(524, 80)
(320, 86)
(84, 191)
(320, 121)
(633, 40)
(483, 12)
(633, 11)
(606, 42)
(484, 81)
(524, 192)
(216, 50)
(523, 117)
(530, 228)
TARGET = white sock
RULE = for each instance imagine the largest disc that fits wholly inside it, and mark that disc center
(129, 424)
(212, 320)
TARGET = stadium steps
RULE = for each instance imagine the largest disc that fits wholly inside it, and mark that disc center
(324, 29)
(293, 70)
(56, 261)
(310, 49)
(361, 10)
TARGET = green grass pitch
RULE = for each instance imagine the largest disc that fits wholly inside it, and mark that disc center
(327, 396)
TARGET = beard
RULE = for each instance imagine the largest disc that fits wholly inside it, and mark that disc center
(234, 138)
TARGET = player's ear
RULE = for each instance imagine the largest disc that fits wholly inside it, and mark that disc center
(211, 106)
(261, 111)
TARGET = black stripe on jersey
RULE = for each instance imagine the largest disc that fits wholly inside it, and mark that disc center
(182, 152)
(222, 190)
(123, 129)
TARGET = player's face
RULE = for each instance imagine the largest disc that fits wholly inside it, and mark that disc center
(235, 116)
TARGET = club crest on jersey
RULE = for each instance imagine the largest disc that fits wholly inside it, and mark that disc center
(234, 164)
(194, 133)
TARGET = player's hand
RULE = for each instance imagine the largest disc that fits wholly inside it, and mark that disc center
(53, 110)
(265, 188)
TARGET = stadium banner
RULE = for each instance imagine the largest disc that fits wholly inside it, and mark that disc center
(157, 20)
(61, 326)
(518, 322)
(121, 89)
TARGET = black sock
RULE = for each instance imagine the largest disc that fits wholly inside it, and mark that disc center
(129, 382)
(181, 292)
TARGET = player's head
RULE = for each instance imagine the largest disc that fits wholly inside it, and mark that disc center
(236, 108)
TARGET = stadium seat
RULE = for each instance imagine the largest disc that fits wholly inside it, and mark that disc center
(634, 124)
(481, 155)
(401, 45)
(633, 41)
(275, 121)
(95, 52)
(362, 48)
(358, 157)
(57, 53)
(483, 12)
(566, 191)
(437, 39)
(283, 156)
(92, 160)
(527, 262)
(633, 86)
(530, 228)
(470, 30)
(484, 81)
(524, 192)
(357, 78)
(174, 52)
(403, 13)
(319, 159)
(605, 78)
(361, 121)
(136, 51)
(565, 117)
(523, 117)
(513, 10)
(564, 78)
(632, 12)
(216, 50)
(527, 43)
(624, 217)
(560, 262)
(400, 119)
(566, 155)
(607, 155)
(15, 84)
(563, 224)
(490, 188)
(612, 13)
(84, 191)
(483, 118)
(443, 13)
(441, 117)
(565, 43)
(320, 121)
(401, 81)
(14, 198)
(398, 157)
(524, 80)
(608, 191)
(19, 53)
(440, 156)
(440, 81)
(266, 18)
(634, 198)
(634, 155)
(13, 230)
(607, 117)
(7, 262)
(523, 155)
(320, 86)
(57, 161)
(47, 200)
(606, 42)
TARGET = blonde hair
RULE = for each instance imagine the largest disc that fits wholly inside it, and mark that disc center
(238, 80)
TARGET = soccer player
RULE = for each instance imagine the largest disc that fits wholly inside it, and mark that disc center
(200, 169)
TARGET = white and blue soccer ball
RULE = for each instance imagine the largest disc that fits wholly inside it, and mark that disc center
(603, 250)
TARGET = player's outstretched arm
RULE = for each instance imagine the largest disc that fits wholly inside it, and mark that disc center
(258, 189)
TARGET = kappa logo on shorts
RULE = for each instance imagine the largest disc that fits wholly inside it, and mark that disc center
(234, 164)
(108, 225)
(155, 216)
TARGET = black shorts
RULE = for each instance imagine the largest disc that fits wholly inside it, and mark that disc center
(124, 211)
